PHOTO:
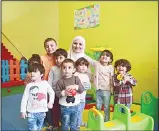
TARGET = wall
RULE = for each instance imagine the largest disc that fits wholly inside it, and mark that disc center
(129, 28)
(27, 24)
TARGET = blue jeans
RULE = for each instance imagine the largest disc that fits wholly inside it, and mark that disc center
(35, 121)
(103, 97)
(69, 117)
(80, 110)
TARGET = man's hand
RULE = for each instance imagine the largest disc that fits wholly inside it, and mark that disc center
(23, 115)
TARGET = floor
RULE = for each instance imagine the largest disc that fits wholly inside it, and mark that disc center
(11, 114)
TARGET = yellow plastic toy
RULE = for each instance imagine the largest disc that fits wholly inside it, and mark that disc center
(119, 77)
(120, 121)
(100, 49)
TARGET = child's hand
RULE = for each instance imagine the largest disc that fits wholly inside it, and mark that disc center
(86, 85)
(68, 93)
(112, 92)
(127, 78)
(71, 87)
(23, 115)
(50, 106)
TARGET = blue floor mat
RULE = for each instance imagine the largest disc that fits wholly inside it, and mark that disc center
(11, 114)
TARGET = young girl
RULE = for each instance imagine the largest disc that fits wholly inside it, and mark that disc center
(34, 59)
(81, 67)
(103, 77)
(123, 83)
(48, 59)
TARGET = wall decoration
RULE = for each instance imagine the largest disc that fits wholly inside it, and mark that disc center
(87, 17)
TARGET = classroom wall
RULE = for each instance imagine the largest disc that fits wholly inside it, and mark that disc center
(129, 28)
(27, 24)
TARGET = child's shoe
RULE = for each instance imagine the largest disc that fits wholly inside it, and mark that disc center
(44, 128)
(84, 124)
(56, 129)
(50, 128)
(78, 128)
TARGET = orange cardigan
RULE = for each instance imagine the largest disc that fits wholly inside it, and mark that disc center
(47, 62)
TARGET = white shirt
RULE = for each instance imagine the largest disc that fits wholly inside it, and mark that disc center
(85, 81)
(103, 76)
(35, 97)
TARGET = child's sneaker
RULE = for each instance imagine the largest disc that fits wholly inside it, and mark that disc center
(55, 129)
(44, 128)
(84, 124)
(50, 128)
(78, 128)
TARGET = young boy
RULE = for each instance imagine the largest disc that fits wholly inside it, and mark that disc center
(48, 60)
(64, 90)
(123, 83)
(54, 75)
(34, 101)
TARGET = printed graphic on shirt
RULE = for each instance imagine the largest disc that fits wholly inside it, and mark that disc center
(37, 98)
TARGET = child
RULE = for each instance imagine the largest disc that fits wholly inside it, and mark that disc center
(103, 77)
(55, 72)
(48, 59)
(34, 101)
(34, 59)
(54, 75)
(123, 83)
(64, 88)
(81, 67)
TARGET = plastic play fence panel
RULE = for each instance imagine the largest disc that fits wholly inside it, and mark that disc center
(13, 70)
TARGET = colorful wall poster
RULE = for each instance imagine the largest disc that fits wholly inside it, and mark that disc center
(87, 17)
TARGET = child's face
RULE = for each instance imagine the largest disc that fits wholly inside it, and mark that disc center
(105, 58)
(68, 69)
(82, 68)
(36, 75)
(121, 69)
(78, 46)
(50, 47)
(59, 59)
